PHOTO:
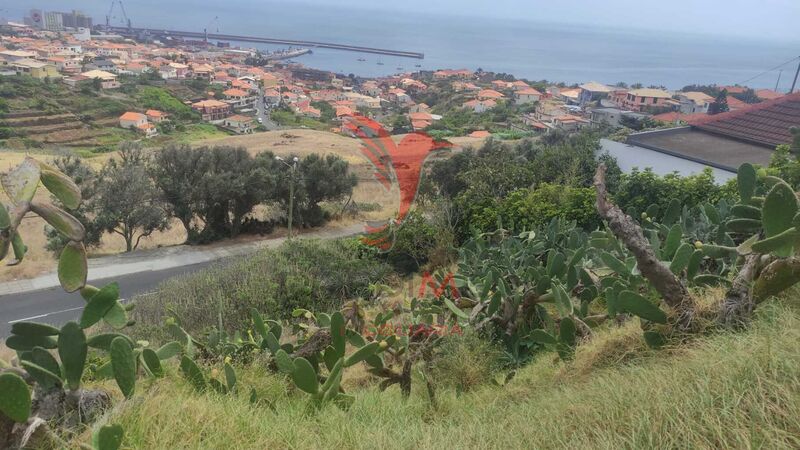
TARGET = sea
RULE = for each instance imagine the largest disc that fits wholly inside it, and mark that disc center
(527, 49)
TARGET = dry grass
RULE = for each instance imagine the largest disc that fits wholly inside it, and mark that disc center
(729, 390)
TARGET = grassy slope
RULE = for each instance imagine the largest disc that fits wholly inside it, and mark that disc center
(731, 390)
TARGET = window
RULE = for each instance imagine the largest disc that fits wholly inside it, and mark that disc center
(654, 100)
(641, 100)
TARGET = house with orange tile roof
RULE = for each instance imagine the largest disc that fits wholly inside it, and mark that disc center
(645, 98)
(486, 94)
(480, 134)
(310, 111)
(239, 124)
(768, 94)
(480, 106)
(343, 111)
(212, 110)
(148, 129)
(461, 86)
(449, 73)
(527, 96)
(155, 116)
(272, 97)
(132, 119)
(239, 98)
(693, 102)
(569, 122)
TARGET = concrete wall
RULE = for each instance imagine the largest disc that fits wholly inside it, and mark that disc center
(629, 156)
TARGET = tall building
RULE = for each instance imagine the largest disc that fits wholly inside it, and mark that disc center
(53, 21)
(76, 19)
(35, 19)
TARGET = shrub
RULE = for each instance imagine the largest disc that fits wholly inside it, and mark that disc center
(527, 209)
(642, 188)
(465, 361)
(315, 275)
(413, 242)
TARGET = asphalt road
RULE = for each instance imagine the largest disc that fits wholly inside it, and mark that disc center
(56, 307)
(261, 106)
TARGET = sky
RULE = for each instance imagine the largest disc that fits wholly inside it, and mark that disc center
(758, 19)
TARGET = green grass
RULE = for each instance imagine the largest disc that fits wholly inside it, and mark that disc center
(729, 390)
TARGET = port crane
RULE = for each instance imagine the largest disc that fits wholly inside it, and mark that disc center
(213, 21)
(110, 14)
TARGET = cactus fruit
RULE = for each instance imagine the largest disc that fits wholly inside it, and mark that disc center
(15, 402)
(108, 437)
(99, 304)
(72, 350)
(123, 364)
(637, 305)
(383, 345)
(72, 266)
(698, 245)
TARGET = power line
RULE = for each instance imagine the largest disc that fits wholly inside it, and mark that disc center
(770, 70)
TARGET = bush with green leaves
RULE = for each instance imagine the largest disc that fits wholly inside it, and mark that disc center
(311, 274)
(641, 188)
(527, 209)
(548, 288)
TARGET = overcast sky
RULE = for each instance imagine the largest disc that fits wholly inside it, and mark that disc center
(770, 19)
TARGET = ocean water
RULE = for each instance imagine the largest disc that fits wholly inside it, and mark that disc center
(528, 49)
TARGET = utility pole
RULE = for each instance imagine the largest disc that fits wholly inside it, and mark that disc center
(292, 172)
(780, 72)
(794, 83)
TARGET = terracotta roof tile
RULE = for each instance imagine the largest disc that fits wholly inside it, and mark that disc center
(766, 123)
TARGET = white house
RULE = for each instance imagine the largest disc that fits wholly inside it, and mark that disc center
(527, 95)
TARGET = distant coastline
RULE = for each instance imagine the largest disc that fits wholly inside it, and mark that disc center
(536, 51)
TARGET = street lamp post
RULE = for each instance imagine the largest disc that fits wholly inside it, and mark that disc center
(292, 168)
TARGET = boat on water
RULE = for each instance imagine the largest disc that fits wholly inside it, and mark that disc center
(398, 68)
(361, 59)
(417, 65)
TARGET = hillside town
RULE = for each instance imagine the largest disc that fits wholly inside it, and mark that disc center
(239, 96)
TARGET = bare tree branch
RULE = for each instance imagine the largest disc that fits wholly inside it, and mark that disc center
(630, 233)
